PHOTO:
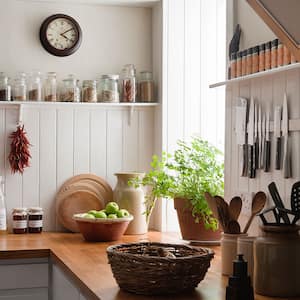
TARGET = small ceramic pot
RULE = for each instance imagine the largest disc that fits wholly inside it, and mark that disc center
(277, 261)
(245, 247)
(229, 251)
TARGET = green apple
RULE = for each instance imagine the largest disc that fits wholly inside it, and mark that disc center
(92, 212)
(123, 213)
(111, 208)
(100, 215)
(112, 216)
(89, 216)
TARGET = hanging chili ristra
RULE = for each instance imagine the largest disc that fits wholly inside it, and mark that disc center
(19, 150)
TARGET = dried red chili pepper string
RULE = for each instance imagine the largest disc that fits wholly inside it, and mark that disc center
(19, 155)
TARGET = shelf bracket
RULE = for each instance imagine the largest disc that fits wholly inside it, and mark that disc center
(130, 115)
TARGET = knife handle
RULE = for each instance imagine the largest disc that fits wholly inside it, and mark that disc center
(286, 160)
(256, 155)
(267, 156)
(244, 163)
(278, 154)
(251, 163)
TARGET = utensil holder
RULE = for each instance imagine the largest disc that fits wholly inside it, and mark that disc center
(229, 251)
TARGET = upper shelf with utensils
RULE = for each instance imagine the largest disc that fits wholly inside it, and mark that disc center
(256, 75)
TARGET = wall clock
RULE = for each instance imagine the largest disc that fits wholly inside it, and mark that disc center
(60, 35)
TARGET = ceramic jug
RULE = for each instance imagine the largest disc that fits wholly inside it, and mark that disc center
(132, 199)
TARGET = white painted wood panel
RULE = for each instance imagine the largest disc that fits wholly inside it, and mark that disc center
(268, 91)
(67, 141)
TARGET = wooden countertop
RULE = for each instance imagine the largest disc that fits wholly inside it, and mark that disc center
(87, 263)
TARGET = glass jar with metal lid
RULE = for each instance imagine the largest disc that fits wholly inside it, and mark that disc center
(108, 88)
(19, 216)
(20, 89)
(70, 91)
(128, 83)
(89, 91)
(146, 87)
(5, 88)
(35, 220)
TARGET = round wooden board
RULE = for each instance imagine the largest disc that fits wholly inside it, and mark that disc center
(74, 202)
(97, 181)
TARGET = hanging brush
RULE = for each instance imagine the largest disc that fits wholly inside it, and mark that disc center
(19, 156)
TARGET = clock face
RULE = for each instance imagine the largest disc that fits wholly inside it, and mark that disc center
(60, 35)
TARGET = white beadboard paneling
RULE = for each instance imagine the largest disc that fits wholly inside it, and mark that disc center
(98, 136)
(130, 136)
(47, 170)
(13, 182)
(114, 145)
(31, 174)
(81, 141)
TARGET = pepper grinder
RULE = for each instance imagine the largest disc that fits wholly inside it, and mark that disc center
(239, 284)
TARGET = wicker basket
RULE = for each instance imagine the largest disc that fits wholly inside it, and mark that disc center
(156, 268)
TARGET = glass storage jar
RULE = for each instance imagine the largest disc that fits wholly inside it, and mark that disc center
(50, 87)
(35, 219)
(20, 89)
(5, 88)
(35, 87)
(89, 91)
(70, 91)
(128, 83)
(146, 87)
(19, 216)
(108, 88)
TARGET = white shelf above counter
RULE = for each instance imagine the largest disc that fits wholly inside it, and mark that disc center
(76, 104)
(130, 3)
(256, 75)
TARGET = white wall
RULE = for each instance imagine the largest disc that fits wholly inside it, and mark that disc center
(112, 36)
(254, 30)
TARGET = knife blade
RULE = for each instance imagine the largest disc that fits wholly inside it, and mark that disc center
(277, 134)
(267, 145)
(256, 141)
(259, 128)
(251, 155)
(241, 131)
(285, 133)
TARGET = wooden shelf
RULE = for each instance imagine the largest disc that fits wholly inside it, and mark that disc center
(256, 75)
(13, 104)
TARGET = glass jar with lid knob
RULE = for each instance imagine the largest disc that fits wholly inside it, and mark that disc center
(19, 216)
(35, 220)
(70, 91)
(108, 88)
(5, 88)
(128, 83)
(50, 87)
(89, 91)
(35, 86)
(20, 87)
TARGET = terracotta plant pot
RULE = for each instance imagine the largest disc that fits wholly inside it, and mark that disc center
(190, 230)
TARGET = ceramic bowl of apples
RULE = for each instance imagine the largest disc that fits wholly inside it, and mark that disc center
(106, 225)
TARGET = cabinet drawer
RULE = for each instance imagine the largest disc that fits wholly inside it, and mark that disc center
(23, 276)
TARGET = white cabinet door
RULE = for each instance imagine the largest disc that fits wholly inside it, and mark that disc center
(61, 286)
(24, 294)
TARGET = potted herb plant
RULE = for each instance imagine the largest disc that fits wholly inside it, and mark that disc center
(194, 168)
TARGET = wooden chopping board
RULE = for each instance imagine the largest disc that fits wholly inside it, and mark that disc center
(99, 183)
(76, 201)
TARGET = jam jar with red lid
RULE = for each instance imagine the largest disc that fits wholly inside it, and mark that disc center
(19, 216)
(35, 220)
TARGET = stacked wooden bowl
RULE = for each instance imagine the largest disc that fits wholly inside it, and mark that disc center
(80, 194)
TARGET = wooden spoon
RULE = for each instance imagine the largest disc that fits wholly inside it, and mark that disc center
(224, 211)
(234, 227)
(258, 204)
(235, 207)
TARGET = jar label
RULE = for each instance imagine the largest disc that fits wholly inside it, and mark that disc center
(35, 223)
(3, 219)
(20, 224)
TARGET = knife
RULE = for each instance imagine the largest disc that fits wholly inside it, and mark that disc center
(256, 141)
(277, 134)
(285, 134)
(260, 138)
(241, 132)
(267, 145)
(251, 154)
